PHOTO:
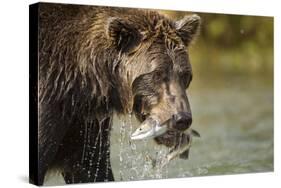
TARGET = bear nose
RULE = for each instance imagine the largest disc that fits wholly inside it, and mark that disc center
(182, 121)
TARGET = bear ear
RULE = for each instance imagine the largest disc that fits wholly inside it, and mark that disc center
(123, 34)
(188, 27)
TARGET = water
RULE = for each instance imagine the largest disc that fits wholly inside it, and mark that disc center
(136, 160)
(235, 119)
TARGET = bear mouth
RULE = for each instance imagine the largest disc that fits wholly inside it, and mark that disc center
(179, 142)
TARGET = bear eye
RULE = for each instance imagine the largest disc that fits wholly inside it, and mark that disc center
(132, 52)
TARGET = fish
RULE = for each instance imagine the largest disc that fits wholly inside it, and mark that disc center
(182, 149)
(195, 133)
(185, 154)
(150, 128)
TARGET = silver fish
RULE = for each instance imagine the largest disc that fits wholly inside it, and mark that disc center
(150, 128)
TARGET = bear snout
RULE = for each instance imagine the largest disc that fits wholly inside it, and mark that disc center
(182, 121)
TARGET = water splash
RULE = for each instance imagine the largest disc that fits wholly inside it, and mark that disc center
(139, 159)
(121, 141)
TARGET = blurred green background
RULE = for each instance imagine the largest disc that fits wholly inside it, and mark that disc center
(232, 44)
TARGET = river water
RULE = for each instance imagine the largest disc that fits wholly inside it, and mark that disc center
(235, 119)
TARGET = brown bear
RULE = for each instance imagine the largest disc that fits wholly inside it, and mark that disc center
(96, 61)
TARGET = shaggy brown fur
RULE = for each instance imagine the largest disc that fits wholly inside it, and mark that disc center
(94, 61)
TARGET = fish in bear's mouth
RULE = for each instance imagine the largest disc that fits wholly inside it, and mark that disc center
(179, 142)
